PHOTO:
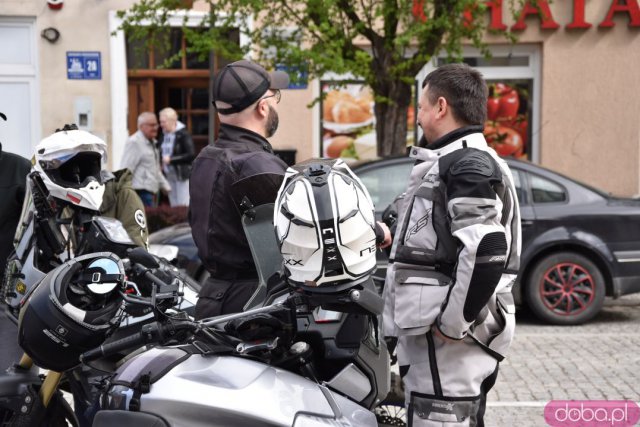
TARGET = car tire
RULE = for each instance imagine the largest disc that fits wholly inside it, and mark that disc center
(565, 288)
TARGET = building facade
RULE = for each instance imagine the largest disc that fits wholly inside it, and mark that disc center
(574, 69)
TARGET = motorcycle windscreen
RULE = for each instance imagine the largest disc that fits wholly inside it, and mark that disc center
(258, 227)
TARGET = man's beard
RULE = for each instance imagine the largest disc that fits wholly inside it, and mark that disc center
(272, 122)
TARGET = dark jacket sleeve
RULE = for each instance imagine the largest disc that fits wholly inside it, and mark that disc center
(186, 153)
(475, 211)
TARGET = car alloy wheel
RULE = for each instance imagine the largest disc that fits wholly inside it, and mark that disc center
(565, 288)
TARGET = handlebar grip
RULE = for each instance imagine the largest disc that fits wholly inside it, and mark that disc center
(152, 277)
(148, 333)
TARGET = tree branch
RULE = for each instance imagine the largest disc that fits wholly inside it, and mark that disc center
(433, 38)
(361, 27)
(390, 15)
(301, 22)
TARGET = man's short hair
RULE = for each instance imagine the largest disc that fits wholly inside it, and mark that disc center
(241, 83)
(144, 116)
(464, 89)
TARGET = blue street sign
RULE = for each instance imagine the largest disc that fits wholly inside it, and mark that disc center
(84, 66)
(298, 75)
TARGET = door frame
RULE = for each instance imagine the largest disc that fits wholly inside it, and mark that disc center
(24, 74)
(119, 79)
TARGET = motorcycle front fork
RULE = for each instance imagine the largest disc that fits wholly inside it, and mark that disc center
(50, 383)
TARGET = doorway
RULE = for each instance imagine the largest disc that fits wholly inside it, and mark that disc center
(189, 96)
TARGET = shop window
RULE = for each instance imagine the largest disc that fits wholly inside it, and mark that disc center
(513, 108)
(347, 117)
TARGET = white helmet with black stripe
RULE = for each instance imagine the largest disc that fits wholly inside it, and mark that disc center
(325, 222)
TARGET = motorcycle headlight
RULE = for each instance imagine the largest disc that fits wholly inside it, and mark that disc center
(114, 230)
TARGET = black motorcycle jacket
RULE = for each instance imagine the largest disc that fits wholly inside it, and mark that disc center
(239, 169)
(13, 177)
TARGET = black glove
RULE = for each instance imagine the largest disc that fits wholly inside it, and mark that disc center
(392, 342)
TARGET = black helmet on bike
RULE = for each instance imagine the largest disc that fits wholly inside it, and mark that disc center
(71, 310)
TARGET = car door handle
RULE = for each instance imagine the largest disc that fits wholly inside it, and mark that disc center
(526, 223)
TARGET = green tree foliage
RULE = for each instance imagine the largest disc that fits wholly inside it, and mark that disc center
(383, 42)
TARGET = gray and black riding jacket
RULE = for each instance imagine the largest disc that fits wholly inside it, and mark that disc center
(456, 250)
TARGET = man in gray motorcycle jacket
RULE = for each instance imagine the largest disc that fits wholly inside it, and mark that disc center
(454, 258)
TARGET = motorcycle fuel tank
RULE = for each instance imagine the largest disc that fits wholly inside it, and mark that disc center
(209, 390)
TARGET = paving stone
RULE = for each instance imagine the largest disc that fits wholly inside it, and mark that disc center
(599, 360)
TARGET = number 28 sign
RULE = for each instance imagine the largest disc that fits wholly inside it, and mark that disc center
(84, 66)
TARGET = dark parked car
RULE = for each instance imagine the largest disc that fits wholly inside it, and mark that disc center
(579, 243)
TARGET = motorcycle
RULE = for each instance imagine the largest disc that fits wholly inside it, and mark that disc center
(48, 234)
(292, 360)
(58, 321)
(45, 236)
(293, 357)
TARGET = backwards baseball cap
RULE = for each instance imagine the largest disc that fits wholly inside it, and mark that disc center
(242, 83)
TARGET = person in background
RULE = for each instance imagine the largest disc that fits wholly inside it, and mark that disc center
(142, 159)
(454, 259)
(177, 154)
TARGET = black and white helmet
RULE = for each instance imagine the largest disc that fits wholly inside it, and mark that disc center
(71, 310)
(324, 221)
(69, 162)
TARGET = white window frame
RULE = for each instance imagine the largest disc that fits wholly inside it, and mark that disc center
(118, 72)
(26, 73)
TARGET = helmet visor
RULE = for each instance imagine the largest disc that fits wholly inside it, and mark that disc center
(76, 171)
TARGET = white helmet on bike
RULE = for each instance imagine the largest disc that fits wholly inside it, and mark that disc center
(69, 162)
(324, 221)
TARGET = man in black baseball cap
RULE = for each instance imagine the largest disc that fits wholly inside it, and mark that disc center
(240, 165)
(240, 84)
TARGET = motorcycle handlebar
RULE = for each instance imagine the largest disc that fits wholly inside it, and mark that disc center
(150, 333)
(152, 277)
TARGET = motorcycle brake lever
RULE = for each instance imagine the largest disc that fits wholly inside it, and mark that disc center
(249, 347)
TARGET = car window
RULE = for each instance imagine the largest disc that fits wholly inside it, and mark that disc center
(386, 182)
(546, 191)
(517, 183)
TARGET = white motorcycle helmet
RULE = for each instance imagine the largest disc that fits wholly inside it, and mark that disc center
(324, 221)
(69, 162)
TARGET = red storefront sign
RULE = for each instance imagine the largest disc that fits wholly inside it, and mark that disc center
(541, 9)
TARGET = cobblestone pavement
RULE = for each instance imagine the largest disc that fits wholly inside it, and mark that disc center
(596, 361)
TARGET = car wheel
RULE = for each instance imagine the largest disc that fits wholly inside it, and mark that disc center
(565, 288)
